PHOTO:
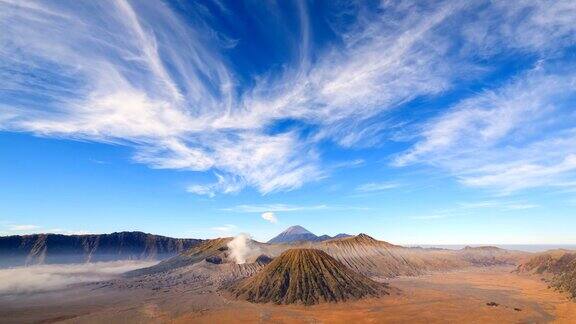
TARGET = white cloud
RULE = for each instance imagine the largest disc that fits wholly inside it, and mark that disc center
(225, 184)
(31, 229)
(467, 209)
(274, 208)
(502, 205)
(138, 74)
(22, 228)
(520, 206)
(523, 25)
(430, 217)
(512, 177)
(270, 216)
(203, 190)
(182, 117)
(377, 186)
(517, 137)
(225, 229)
(117, 87)
(68, 232)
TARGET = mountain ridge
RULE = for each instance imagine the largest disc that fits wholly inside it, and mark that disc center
(297, 234)
(558, 267)
(23, 250)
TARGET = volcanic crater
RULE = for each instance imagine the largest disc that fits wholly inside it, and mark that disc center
(306, 276)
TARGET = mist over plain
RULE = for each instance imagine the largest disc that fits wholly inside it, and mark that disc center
(40, 278)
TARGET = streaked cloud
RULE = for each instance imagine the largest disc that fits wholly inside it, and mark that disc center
(377, 186)
(190, 118)
(517, 137)
(225, 229)
(502, 205)
(465, 209)
(273, 208)
(475, 208)
(226, 185)
(430, 217)
(22, 228)
(140, 74)
(68, 232)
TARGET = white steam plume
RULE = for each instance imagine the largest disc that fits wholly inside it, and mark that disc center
(241, 248)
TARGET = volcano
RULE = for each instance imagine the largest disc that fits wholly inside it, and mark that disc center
(298, 234)
(306, 276)
(294, 234)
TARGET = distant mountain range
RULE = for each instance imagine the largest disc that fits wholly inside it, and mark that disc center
(295, 234)
(20, 250)
(271, 273)
(55, 248)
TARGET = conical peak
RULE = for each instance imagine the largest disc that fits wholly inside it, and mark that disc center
(296, 229)
(306, 276)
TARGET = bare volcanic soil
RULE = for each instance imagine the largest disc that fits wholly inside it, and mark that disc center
(560, 265)
(306, 276)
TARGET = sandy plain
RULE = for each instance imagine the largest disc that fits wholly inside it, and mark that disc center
(454, 297)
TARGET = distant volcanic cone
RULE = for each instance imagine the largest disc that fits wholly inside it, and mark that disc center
(306, 276)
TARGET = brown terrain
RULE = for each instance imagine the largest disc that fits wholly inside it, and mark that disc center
(557, 267)
(342, 278)
(306, 276)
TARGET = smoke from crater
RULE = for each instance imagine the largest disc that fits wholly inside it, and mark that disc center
(242, 248)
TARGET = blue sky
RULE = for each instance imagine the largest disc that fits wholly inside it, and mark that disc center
(449, 123)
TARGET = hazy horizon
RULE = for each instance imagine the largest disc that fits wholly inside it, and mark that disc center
(527, 247)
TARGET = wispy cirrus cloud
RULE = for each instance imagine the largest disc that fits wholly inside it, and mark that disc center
(517, 137)
(68, 232)
(464, 209)
(502, 205)
(430, 217)
(225, 229)
(141, 74)
(262, 208)
(19, 228)
(137, 74)
(276, 208)
(377, 186)
(225, 184)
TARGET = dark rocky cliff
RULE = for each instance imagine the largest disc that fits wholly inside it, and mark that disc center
(55, 248)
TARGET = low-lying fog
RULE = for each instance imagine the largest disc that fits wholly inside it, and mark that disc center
(56, 276)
